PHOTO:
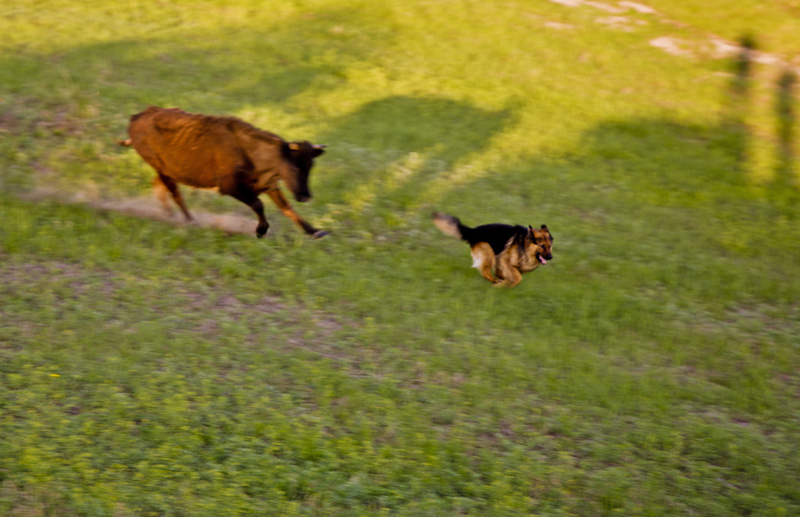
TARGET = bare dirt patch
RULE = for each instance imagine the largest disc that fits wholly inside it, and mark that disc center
(706, 46)
(205, 311)
(20, 275)
(622, 23)
(10, 123)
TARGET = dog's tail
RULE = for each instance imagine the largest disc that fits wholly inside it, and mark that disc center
(450, 225)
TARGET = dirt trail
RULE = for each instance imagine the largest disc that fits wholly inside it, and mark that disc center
(150, 208)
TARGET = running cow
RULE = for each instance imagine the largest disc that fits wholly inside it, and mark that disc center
(223, 154)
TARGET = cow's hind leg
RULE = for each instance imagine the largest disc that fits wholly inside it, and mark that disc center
(287, 210)
(162, 182)
(162, 194)
(239, 191)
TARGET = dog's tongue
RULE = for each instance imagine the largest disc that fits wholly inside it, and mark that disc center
(542, 260)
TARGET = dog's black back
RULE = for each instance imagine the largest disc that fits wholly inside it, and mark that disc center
(496, 235)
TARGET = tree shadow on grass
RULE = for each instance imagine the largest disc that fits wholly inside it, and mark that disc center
(72, 104)
(228, 67)
(407, 142)
(663, 163)
(737, 98)
(785, 182)
(619, 172)
(444, 127)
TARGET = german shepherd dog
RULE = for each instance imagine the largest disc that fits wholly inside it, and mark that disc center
(508, 250)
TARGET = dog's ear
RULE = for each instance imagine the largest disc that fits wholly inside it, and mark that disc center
(544, 229)
(532, 232)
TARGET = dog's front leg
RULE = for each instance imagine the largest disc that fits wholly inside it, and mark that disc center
(507, 273)
(514, 278)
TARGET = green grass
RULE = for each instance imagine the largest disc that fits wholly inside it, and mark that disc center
(651, 368)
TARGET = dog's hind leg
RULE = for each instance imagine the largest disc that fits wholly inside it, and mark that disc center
(483, 260)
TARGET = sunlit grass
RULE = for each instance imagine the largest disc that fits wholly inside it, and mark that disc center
(149, 368)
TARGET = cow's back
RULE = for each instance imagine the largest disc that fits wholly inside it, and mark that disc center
(197, 150)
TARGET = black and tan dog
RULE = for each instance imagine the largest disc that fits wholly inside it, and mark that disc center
(508, 250)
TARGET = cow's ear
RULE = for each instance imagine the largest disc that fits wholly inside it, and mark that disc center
(318, 150)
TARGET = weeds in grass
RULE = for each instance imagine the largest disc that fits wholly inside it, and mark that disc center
(649, 369)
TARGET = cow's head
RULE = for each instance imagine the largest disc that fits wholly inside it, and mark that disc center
(301, 155)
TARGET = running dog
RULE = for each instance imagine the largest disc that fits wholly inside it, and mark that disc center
(508, 250)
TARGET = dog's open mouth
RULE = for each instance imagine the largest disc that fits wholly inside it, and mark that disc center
(542, 259)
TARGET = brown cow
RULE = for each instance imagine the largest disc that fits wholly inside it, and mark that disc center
(223, 154)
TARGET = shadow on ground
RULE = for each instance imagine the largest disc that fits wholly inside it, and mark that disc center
(211, 71)
(658, 162)
(397, 159)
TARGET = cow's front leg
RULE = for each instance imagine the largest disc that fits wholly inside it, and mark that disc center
(249, 198)
(287, 210)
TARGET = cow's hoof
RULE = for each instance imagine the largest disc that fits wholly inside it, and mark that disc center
(319, 234)
(261, 232)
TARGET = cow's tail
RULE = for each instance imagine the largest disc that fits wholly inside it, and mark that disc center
(127, 142)
(450, 225)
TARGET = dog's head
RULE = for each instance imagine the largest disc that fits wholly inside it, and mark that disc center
(542, 242)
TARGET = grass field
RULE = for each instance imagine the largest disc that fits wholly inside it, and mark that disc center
(651, 368)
